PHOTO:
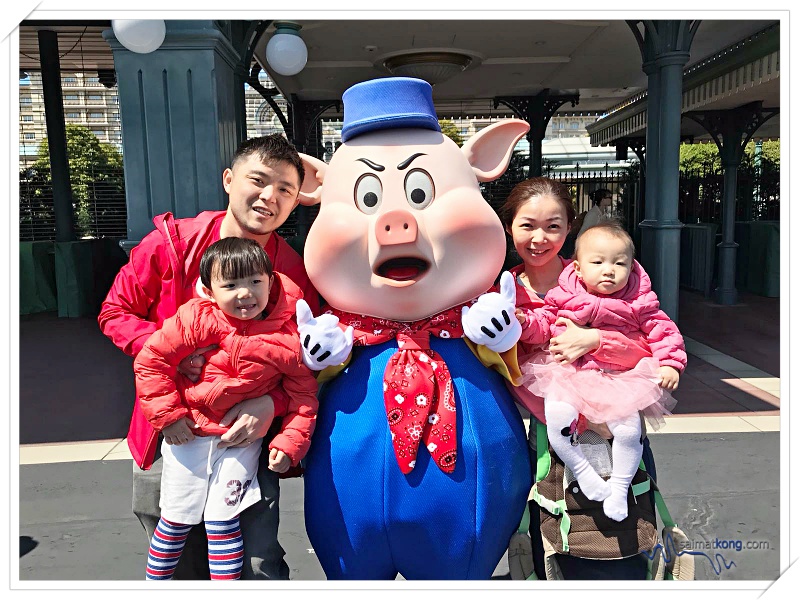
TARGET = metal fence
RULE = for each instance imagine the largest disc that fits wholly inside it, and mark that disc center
(757, 195)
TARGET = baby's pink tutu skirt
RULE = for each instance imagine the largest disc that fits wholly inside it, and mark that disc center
(601, 396)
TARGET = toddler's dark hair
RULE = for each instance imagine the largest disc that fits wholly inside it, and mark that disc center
(233, 258)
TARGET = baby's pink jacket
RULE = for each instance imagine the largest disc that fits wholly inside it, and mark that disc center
(633, 308)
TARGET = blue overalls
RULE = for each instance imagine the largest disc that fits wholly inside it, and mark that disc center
(366, 520)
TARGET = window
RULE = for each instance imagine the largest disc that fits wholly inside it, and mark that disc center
(70, 97)
(27, 118)
(29, 136)
(99, 132)
(573, 125)
(25, 100)
(95, 97)
(73, 115)
(93, 80)
(114, 116)
(70, 79)
(95, 115)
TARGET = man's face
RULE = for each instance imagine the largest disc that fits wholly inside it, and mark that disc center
(261, 196)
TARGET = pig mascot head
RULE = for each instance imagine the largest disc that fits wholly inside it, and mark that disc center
(419, 463)
(403, 231)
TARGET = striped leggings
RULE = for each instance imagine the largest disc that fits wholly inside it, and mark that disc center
(225, 549)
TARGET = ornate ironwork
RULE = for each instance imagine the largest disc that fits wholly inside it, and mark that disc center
(304, 115)
(536, 110)
(727, 127)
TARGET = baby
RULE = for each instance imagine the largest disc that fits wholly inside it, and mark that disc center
(607, 289)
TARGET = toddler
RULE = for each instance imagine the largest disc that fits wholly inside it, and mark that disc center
(248, 315)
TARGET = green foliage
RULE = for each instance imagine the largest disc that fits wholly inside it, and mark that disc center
(96, 178)
(450, 130)
(757, 184)
(705, 157)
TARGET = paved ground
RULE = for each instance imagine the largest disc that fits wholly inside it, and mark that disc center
(78, 514)
(718, 460)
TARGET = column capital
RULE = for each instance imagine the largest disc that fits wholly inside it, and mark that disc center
(675, 57)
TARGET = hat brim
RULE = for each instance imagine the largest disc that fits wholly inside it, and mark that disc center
(396, 121)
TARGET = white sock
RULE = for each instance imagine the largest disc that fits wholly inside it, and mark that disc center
(561, 421)
(626, 452)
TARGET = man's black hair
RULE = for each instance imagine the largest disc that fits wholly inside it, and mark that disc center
(270, 149)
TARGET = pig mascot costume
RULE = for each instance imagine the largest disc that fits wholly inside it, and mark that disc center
(418, 464)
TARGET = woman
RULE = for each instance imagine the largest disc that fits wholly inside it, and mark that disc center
(537, 215)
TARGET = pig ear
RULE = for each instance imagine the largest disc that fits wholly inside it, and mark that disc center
(311, 188)
(489, 151)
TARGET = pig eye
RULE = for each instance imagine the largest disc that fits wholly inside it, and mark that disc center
(419, 189)
(368, 194)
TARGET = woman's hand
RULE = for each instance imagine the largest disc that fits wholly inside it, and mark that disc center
(574, 342)
(251, 420)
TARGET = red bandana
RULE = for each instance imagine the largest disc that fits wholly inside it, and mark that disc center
(417, 388)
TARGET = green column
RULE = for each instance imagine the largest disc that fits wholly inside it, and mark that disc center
(653, 73)
(730, 155)
(664, 46)
(665, 268)
(179, 109)
(56, 135)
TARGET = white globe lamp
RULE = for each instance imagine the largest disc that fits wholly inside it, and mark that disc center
(142, 36)
(286, 52)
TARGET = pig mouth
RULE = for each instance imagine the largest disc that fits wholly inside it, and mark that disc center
(403, 268)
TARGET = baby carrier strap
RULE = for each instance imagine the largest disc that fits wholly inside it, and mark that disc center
(572, 524)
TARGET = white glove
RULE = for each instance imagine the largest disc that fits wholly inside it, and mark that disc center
(491, 321)
(324, 344)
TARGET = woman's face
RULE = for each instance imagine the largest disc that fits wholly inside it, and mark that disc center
(538, 230)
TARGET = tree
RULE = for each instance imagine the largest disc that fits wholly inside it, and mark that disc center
(96, 178)
(450, 130)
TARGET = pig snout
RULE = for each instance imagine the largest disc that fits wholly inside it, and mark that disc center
(396, 227)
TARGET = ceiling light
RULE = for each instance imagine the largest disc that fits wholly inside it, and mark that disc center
(286, 51)
(433, 67)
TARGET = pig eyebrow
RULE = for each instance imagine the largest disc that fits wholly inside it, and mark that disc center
(371, 164)
(407, 161)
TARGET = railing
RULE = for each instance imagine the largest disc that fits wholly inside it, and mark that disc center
(757, 195)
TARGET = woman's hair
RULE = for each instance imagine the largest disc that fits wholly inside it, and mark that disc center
(233, 258)
(533, 188)
(611, 227)
(598, 195)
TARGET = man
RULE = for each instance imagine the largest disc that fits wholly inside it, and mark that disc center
(262, 184)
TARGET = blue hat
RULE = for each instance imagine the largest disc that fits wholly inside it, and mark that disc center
(388, 103)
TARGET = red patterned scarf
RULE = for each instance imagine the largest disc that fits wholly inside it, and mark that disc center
(417, 388)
